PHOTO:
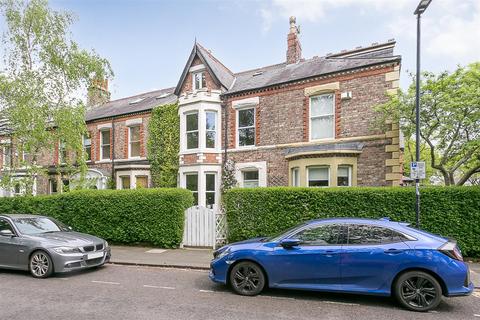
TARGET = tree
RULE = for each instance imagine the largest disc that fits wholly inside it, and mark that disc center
(163, 145)
(43, 81)
(449, 120)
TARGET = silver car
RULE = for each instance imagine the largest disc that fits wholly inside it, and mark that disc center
(43, 245)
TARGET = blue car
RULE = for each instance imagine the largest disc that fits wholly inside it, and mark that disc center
(375, 257)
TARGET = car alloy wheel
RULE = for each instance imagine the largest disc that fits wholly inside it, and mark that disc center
(418, 291)
(247, 278)
(40, 265)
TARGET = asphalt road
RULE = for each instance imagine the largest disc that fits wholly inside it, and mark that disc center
(127, 292)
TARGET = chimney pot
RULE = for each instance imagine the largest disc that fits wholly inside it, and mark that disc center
(294, 49)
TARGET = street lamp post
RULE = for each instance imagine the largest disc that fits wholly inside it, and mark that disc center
(422, 6)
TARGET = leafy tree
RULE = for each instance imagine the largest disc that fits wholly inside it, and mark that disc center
(163, 145)
(409, 156)
(45, 74)
(449, 120)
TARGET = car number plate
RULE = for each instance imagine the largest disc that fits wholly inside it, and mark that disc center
(94, 255)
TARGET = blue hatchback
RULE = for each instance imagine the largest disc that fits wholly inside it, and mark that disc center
(377, 257)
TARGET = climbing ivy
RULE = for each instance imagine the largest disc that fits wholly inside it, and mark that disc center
(163, 145)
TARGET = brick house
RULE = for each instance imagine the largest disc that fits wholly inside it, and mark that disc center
(303, 122)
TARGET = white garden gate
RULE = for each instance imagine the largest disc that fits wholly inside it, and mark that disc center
(204, 227)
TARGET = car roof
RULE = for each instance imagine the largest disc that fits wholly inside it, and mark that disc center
(19, 215)
(381, 221)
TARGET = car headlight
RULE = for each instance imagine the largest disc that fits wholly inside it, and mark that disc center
(223, 253)
(106, 244)
(67, 250)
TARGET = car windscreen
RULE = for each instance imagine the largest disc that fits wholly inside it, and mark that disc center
(279, 236)
(36, 225)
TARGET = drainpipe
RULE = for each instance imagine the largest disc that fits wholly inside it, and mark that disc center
(113, 154)
(225, 131)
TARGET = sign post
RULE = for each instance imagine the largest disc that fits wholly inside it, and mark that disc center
(417, 172)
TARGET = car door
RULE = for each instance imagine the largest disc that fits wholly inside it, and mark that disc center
(371, 258)
(313, 264)
(8, 246)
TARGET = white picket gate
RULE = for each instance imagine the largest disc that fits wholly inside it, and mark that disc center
(199, 229)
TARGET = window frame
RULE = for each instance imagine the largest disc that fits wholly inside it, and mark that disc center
(310, 117)
(350, 172)
(347, 235)
(87, 136)
(318, 167)
(102, 145)
(249, 180)
(295, 176)
(192, 131)
(254, 126)
(141, 176)
(51, 182)
(215, 116)
(129, 182)
(341, 241)
(5, 155)
(139, 141)
(194, 192)
(203, 80)
(207, 191)
(12, 228)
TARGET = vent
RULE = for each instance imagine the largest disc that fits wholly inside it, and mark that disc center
(136, 101)
(257, 73)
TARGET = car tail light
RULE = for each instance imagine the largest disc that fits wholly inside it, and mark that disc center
(452, 250)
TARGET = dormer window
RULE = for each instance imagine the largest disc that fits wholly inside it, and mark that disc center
(199, 81)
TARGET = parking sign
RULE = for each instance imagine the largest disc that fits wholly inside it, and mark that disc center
(417, 170)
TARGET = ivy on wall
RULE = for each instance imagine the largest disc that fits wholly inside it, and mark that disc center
(163, 145)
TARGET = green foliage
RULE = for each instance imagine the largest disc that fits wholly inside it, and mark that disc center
(44, 74)
(449, 120)
(153, 216)
(163, 145)
(425, 155)
(228, 176)
(449, 211)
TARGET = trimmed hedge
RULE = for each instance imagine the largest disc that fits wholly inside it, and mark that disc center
(153, 216)
(449, 211)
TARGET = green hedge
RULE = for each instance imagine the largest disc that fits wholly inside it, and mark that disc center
(449, 211)
(152, 216)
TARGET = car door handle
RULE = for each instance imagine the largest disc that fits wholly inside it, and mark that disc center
(393, 251)
(330, 252)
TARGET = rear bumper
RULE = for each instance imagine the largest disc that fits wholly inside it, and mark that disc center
(71, 262)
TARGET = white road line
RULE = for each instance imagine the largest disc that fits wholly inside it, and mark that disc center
(206, 291)
(105, 282)
(341, 303)
(476, 315)
(158, 287)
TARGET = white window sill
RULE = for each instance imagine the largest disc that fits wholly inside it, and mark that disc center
(104, 161)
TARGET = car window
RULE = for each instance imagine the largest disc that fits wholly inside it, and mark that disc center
(368, 234)
(4, 225)
(38, 225)
(320, 235)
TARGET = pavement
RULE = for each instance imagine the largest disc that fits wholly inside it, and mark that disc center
(195, 259)
(178, 258)
(137, 292)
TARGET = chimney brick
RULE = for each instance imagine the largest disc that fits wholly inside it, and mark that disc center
(294, 49)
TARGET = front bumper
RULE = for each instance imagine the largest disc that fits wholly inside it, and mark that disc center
(77, 261)
(219, 270)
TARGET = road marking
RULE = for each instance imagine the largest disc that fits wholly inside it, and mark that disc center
(476, 315)
(105, 282)
(341, 303)
(155, 251)
(207, 291)
(158, 287)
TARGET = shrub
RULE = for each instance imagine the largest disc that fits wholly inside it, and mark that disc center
(449, 211)
(153, 216)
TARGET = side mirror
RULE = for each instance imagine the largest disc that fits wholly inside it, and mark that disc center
(289, 243)
(6, 233)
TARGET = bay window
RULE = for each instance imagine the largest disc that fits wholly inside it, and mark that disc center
(246, 127)
(125, 182)
(192, 130)
(322, 116)
(295, 177)
(250, 179)
(87, 147)
(141, 182)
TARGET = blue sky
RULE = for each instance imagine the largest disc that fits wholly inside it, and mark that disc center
(148, 42)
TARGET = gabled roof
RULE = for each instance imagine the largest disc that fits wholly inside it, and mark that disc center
(221, 74)
(138, 103)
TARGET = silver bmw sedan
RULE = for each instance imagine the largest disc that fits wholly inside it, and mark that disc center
(43, 245)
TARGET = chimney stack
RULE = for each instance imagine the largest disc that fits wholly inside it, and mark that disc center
(98, 93)
(294, 49)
